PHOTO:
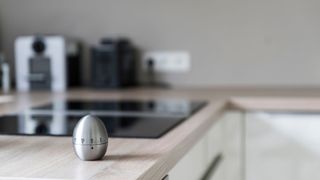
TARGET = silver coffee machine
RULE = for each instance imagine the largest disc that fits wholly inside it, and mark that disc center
(47, 63)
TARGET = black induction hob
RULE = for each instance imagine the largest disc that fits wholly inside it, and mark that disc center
(130, 119)
(123, 108)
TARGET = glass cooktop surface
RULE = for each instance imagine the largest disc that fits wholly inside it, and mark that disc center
(129, 119)
(159, 107)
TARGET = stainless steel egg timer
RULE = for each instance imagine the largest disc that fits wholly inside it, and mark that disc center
(90, 138)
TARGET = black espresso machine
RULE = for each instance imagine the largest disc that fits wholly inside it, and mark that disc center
(113, 64)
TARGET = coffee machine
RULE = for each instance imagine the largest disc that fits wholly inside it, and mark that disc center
(113, 64)
(47, 63)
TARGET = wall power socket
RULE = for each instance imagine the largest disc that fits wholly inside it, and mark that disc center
(167, 61)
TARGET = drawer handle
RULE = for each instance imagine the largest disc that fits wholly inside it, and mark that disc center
(213, 166)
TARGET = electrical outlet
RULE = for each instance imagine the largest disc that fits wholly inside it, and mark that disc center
(167, 61)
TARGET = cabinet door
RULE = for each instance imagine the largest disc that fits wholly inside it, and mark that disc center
(282, 146)
(228, 134)
(193, 165)
(233, 145)
(223, 141)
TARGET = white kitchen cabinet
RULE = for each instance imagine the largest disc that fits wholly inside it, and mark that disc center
(282, 146)
(233, 145)
(193, 165)
(223, 139)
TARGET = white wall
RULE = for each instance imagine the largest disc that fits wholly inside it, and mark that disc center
(232, 42)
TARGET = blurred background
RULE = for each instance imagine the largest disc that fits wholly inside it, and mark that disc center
(246, 43)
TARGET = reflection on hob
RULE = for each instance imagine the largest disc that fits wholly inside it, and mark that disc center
(168, 107)
(136, 119)
(138, 127)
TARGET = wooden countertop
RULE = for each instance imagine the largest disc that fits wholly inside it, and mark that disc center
(53, 157)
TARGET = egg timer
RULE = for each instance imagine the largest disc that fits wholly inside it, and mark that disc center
(90, 138)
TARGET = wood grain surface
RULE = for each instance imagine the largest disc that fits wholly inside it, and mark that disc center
(27, 157)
